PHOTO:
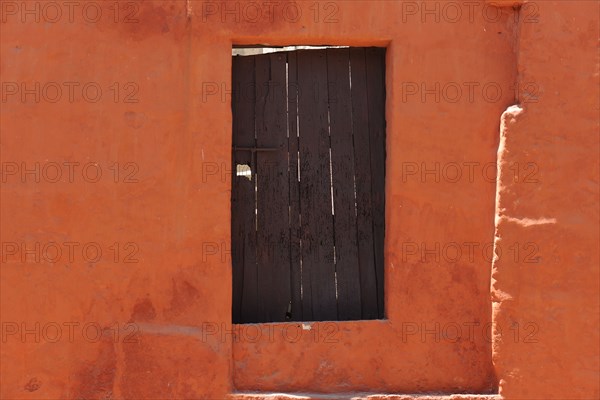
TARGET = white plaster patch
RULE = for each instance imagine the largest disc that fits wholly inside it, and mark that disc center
(529, 221)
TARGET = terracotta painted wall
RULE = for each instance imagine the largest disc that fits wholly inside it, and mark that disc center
(141, 94)
(559, 213)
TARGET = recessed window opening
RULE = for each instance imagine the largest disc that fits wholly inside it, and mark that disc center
(308, 201)
(255, 50)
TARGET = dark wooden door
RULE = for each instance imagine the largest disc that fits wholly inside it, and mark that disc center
(308, 222)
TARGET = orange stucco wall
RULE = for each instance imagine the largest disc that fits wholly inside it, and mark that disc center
(140, 94)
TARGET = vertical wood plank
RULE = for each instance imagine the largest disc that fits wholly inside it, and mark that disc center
(295, 232)
(318, 270)
(360, 122)
(376, 99)
(342, 158)
(243, 231)
(273, 231)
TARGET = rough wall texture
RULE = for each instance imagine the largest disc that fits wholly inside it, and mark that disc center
(558, 212)
(150, 317)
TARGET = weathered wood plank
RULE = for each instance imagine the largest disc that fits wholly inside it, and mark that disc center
(360, 122)
(318, 270)
(273, 231)
(376, 99)
(295, 232)
(243, 230)
(342, 159)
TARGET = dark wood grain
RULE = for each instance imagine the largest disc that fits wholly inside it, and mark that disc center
(308, 230)
(360, 122)
(318, 270)
(273, 238)
(376, 98)
(243, 231)
(294, 187)
(342, 159)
